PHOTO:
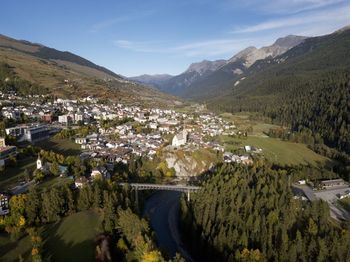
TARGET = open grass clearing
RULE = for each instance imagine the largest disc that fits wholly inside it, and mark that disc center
(277, 151)
(66, 147)
(55, 181)
(11, 250)
(246, 121)
(13, 175)
(72, 239)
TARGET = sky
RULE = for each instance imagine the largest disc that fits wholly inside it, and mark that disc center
(134, 37)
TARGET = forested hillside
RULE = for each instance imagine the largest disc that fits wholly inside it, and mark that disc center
(308, 87)
(9, 82)
(249, 214)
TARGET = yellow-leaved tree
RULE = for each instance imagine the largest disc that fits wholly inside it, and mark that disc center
(152, 256)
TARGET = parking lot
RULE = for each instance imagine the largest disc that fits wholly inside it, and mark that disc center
(331, 196)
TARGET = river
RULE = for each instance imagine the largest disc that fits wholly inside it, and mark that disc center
(163, 210)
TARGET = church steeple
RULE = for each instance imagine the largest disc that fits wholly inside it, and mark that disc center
(39, 163)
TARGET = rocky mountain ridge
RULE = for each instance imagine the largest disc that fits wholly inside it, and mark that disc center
(206, 73)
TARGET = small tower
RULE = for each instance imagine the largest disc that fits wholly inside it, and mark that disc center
(39, 163)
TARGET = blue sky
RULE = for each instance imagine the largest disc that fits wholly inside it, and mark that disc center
(134, 37)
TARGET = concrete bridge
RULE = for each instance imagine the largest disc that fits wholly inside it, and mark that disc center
(181, 188)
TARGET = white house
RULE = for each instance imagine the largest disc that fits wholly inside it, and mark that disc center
(64, 119)
(80, 182)
(81, 140)
(247, 148)
(100, 172)
(180, 138)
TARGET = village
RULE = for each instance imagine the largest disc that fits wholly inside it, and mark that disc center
(108, 133)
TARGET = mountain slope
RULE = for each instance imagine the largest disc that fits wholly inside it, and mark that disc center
(306, 88)
(176, 85)
(203, 79)
(33, 68)
(44, 52)
(151, 80)
(214, 83)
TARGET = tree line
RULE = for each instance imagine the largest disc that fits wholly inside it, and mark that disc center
(130, 236)
(249, 214)
(318, 101)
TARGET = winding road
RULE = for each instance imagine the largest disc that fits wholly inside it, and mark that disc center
(162, 208)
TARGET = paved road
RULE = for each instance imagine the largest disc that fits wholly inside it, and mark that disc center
(163, 210)
(22, 188)
(306, 190)
(329, 195)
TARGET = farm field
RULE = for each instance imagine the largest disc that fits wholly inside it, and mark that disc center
(277, 151)
(248, 121)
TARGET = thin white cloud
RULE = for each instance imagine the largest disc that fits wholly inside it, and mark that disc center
(120, 19)
(207, 48)
(309, 23)
(296, 6)
(336, 17)
(284, 7)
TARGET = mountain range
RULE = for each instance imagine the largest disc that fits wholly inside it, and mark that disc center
(204, 77)
(301, 83)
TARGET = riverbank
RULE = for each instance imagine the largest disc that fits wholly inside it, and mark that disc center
(162, 209)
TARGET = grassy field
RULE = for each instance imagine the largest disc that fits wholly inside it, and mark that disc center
(72, 237)
(66, 147)
(244, 121)
(277, 151)
(11, 250)
(13, 175)
(56, 181)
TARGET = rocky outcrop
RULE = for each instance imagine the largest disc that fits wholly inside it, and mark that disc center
(190, 163)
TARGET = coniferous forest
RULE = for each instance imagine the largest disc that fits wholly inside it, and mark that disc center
(249, 214)
(319, 103)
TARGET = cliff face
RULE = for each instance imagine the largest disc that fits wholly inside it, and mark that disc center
(190, 163)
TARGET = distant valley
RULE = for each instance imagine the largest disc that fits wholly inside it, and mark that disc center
(299, 82)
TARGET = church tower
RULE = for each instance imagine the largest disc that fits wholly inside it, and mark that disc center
(39, 163)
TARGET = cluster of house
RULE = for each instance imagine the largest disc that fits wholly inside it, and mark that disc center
(117, 143)
(158, 122)
(240, 159)
(120, 150)
(100, 172)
